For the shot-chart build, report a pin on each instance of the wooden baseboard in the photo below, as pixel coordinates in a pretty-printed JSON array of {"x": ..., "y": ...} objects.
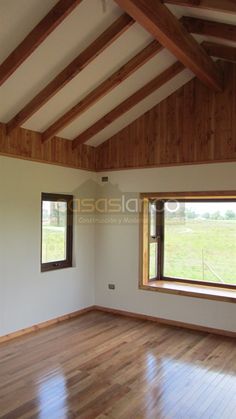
[
  {"x": 167, "y": 322},
  {"x": 78, "y": 313},
  {"x": 43, "y": 325}
]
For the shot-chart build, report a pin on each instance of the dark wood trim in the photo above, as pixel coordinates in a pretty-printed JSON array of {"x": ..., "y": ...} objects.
[
  {"x": 162, "y": 165},
  {"x": 210, "y": 28},
  {"x": 73, "y": 69},
  {"x": 66, "y": 263},
  {"x": 224, "y": 52},
  {"x": 109, "y": 84},
  {"x": 157, "y": 19},
  {"x": 50, "y": 22},
  {"x": 228, "y": 6},
  {"x": 43, "y": 325},
  {"x": 172, "y": 323},
  {"x": 128, "y": 103}
]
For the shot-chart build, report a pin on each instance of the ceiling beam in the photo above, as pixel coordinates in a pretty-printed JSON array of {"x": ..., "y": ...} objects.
[
  {"x": 165, "y": 27},
  {"x": 113, "y": 81},
  {"x": 217, "y": 5},
  {"x": 210, "y": 28},
  {"x": 129, "y": 103},
  {"x": 224, "y": 52},
  {"x": 56, "y": 15},
  {"x": 78, "y": 64}
]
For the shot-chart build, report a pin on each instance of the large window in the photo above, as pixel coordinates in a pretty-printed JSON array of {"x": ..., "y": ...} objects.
[
  {"x": 189, "y": 239},
  {"x": 57, "y": 230}
]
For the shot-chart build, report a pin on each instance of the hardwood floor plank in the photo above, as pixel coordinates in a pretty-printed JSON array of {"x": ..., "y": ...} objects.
[{"x": 104, "y": 366}]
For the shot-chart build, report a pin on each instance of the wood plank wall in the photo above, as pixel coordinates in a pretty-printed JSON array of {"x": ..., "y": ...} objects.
[
  {"x": 193, "y": 125},
  {"x": 25, "y": 144}
]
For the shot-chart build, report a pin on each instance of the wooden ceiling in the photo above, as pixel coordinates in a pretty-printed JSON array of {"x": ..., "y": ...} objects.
[{"x": 85, "y": 69}]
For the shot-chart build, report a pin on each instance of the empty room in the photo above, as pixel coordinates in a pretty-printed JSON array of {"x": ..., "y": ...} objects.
[{"x": 117, "y": 209}]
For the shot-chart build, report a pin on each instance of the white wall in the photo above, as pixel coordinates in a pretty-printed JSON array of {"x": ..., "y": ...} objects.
[
  {"x": 28, "y": 296},
  {"x": 117, "y": 249}
]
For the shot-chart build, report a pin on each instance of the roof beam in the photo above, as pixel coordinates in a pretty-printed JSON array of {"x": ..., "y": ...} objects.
[
  {"x": 224, "y": 52},
  {"x": 129, "y": 103},
  {"x": 207, "y": 27},
  {"x": 56, "y": 15},
  {"x": 78, "y": 64},
  {"x": 165, "y": 27},
  {"x": 228, "y": 6},
  {"x": 113, "y": 81}
]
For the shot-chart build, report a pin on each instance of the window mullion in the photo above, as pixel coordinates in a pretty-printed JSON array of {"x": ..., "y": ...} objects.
[{"x": 160, "y": 237}]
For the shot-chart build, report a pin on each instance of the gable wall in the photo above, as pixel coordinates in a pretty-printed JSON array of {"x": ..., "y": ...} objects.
[{"x": 193, "y": 125}]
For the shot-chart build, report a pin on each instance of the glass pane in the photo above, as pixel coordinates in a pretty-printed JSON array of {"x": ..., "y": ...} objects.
[
  {"x": 200, "y": 242},
  {"x": 54, "y": 229},
  {"x": 152, "y": 218},
  {"x": 152, "y": 260}
]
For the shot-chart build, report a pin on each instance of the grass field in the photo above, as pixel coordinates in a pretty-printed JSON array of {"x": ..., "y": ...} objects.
[
  {"x": 53, "y": 244},
  {"x": 201, "y": 250}
]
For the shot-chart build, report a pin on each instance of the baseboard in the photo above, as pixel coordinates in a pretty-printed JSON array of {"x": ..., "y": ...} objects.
[
  {"x": 78, "y": 313},
  {"x": 45, "y": 324},
  {"x": 166, "y": 322}
]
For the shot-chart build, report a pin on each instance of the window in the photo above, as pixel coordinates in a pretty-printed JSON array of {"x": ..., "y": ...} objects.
[
  {"x": 189, "y": 239},
  {"x": 57, "y": 231}
]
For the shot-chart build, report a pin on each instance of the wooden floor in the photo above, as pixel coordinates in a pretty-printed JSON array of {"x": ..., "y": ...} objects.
[{"x": 105, "y": 366}]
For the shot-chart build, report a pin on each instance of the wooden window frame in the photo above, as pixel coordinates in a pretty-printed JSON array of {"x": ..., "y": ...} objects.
[
  {"x": 67, "y": 263},
  {"x": 162, "y": 198}
]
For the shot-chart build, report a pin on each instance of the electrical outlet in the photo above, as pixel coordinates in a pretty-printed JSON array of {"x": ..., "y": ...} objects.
[
  {"x": 105, "y": 179},
  {"x": 111, "y": 286}
]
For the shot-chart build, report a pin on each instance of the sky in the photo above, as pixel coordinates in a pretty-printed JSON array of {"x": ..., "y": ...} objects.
[{"x": 211, "y": 207}]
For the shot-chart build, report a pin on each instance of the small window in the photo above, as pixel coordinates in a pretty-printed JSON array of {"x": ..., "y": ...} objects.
[
  {"x": 191, "y": 240},
  {"x": 57, "y": 231}
]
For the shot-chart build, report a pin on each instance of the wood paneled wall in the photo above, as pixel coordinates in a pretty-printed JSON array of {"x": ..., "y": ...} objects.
[
  {"x": 25, "y": 144},
  {"x": 193, "y": 125}
]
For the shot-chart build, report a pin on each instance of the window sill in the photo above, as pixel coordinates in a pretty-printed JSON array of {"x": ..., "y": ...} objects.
[
  {"x": 192, "y": 290},
  {"x": 52, "y": 268}
]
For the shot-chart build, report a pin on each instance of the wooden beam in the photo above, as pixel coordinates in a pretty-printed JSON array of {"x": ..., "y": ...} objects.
[
  {"x": 56, "y": 15},
  {"x": 129, "y": 103},
  {"x": 207, "y": 27},
  {"x": 165, "y": 27},
  {"x": 113, "y": 81},
  {"x": 228, "y": 6},
  {"x": 224, "y": 52},
  {"x": 77, "y": 65}
]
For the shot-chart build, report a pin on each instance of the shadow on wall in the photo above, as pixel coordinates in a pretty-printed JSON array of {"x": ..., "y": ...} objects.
[{"x": 104, "y": 203}]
